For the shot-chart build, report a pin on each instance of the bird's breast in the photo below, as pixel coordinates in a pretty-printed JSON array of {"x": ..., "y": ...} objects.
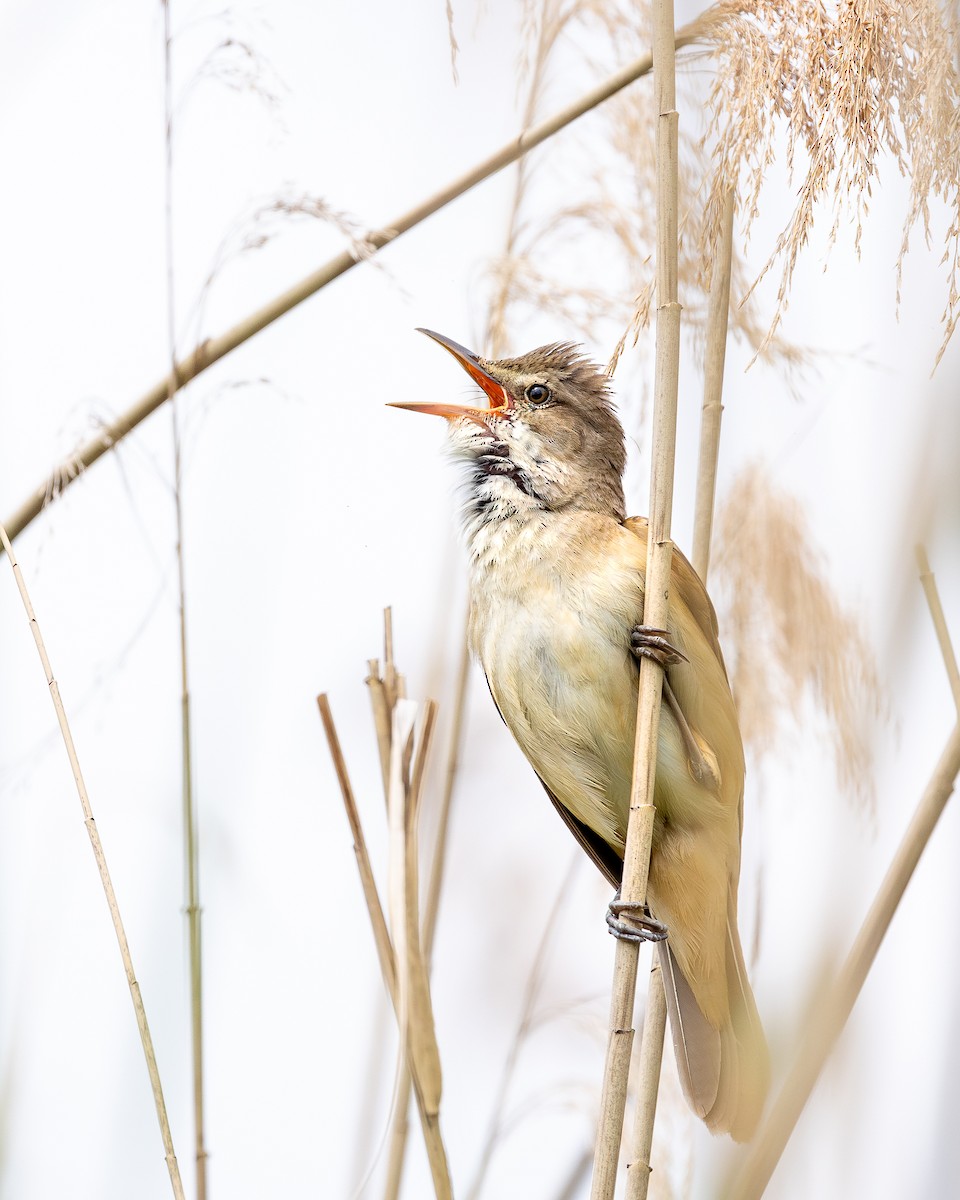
[{"x": 553, "y": 604}]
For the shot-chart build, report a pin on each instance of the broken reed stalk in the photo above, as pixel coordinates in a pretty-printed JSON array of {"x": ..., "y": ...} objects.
[
  {"x": 211, "y": 350},
  {"x": 436, "y": 1153},
  {"x": 821, "y": 1033},
  {"x": 400, "y": 1126},
  {"x": 655, "y": 1016},
  {"x": 385, "y": 690},
  {"x": 659, "y": 555},
  {"x": 91, "y": 827},
  {"x": 191, "y": 847}
]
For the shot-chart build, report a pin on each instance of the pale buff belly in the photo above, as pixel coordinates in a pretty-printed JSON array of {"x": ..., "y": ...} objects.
[
  {"x": 562, "y": 674},
  {"x": 565, "y": 682}
]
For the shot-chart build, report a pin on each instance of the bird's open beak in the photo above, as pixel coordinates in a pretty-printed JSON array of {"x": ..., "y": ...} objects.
[{"x": 500, "y": 399}]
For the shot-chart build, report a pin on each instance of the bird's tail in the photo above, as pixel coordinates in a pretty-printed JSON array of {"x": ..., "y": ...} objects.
[{"x": 724, "y": 1071}]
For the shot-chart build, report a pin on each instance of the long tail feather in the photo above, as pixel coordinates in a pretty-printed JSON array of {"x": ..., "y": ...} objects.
[
  {"x": 724, "y": 1072},
  {"x": 696, "y": 1044}
]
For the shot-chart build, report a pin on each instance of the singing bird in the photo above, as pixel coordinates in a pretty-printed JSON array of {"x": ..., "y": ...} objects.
[{"x": 556, "y": 596}]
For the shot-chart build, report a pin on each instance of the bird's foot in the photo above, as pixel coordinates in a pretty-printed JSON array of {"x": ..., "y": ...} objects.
[
  {"x": 633, "y": 923},
  {"x": 647, "y": 642}
]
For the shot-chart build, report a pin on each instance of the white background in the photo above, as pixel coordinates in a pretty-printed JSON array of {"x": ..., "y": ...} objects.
[{"x": 309, "y": 506}]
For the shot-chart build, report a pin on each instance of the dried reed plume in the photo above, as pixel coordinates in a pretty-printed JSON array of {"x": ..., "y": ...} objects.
[
  {"x": 786, "y": 634},
  {"x": 845, "y": 85}
]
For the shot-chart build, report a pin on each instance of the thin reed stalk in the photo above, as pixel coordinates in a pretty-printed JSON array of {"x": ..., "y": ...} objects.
[
  {"x": 415, "y": 1010},
  {"x": 98, "y": 854},
  {"x": 718, "y": 316},
  {"x": 401, "y": 1125},
  {"x": 659, "y": 556},
  {"x": 824, "y": 1028},
  {"x": 211, "y": 350},
  {"x": 929, "y": 585},
  {"x": 378, "y": 923},
  {"x": 640, "y": 1168},
  {"x": 389, "y": 967},
  {"x": 655, "y": 1016},
  {"x": 191, "y": 846}
]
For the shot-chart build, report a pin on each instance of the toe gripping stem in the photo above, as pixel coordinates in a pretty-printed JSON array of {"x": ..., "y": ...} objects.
[{"x": 633, "y": 922}]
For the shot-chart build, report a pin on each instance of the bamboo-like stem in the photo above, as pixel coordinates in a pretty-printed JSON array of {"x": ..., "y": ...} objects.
[
  {"x": 929, "y": 585},
  {"x": 98, "y": 854},
  {"x": 436, "y": 1153},
  {"x": 648, "y": 1085},
  {"x": 191, "y": 847},
  {"x": 655, "y": 1017},
  {"x": 211, "y": 350},
  {"x": 717, "y": 320},
  {"x": 656, "y": 592},
  {"x": 822, "y": 1031}
]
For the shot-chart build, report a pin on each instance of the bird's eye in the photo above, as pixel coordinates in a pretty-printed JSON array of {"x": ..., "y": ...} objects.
[{"x": 537, "y": 393}]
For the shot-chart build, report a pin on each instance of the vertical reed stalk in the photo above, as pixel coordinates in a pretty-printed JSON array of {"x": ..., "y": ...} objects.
[
  {"x": 929, "y": 585},
  {"x": 659, "y": 554},
  {"x": 191, "y": 847},
  {"x": 717, "y": 320},
  {"x": 655, "y": 1018},
  {"x": 98, "y": 854}
]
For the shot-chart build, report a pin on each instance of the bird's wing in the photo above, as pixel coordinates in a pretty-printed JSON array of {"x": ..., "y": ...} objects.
[
  {"x": 689, "y": 587},
  {"x": 604, "y": 856}
]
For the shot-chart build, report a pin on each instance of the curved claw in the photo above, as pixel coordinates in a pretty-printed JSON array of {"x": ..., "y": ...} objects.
[{"x": 647, "y": 642}]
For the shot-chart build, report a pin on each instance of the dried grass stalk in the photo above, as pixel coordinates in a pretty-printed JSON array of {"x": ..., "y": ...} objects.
[
  {"x": 400, "y": 1126},
  {"x": 846, "y": 84},
  {"x": 416, "y": 1011},
  {"x": 436, "y": 1153},
  {"x": 384, "y": 693},
  {"x": 656, "y": 591},
  {"x": 91, "y": 827},
  {"x": 191, "y": 841},
  {"x": 716, "y": 353},
  {"x": 381, "y": 935},
  {"x": 929, "y": 584},
  {"x": 648, "y": 1085}
]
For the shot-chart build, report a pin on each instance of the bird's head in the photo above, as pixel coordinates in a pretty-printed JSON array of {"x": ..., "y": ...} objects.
[{"x": 547, "y": 436}]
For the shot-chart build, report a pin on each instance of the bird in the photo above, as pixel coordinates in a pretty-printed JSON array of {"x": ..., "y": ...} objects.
[{"x": 556, "y": 600}]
